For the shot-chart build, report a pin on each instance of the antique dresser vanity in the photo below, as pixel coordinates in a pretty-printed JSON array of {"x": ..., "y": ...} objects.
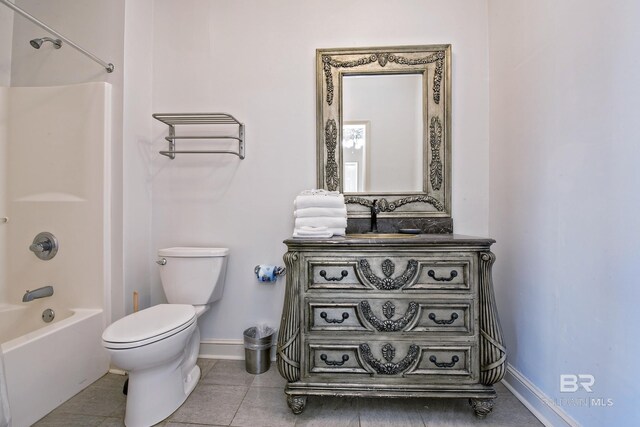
[
  {"x": 379, "y": 313},
  {"x": 390, "y": 317}
]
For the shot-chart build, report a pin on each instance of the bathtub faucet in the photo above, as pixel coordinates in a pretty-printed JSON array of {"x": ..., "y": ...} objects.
[{"x": 43, "y": 292}]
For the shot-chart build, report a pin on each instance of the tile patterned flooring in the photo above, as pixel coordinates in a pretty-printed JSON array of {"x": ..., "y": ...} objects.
[{"x": 229, "y": 396}]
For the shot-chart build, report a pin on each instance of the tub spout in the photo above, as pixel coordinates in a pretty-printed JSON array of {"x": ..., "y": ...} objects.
[{"x": 43, "y": 292}]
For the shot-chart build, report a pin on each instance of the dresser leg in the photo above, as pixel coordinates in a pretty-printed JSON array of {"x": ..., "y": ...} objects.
[
  {"x": 297, "y": 403},
  {"x": 482, "y": 407}
]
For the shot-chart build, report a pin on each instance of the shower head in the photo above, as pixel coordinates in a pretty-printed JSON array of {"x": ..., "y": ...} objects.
[{"x": 36, "y": 43}]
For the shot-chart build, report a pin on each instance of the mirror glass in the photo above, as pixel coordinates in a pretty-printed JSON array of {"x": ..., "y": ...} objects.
[{"x": 382, "y": 133}]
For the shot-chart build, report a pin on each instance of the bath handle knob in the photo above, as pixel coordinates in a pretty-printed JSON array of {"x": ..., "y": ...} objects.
[
  {"x": 161, "y": 261},
  {"x": 44, "y": 246},
  {"x": 40, "y": 247}
]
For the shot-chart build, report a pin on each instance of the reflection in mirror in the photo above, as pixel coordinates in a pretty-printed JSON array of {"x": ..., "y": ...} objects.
[
  {"x": 355, "y": 136},
  {"x": 382, "y": 135}
]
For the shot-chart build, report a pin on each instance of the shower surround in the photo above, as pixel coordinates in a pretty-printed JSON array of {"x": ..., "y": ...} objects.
[{"x": 57, "y": 175}]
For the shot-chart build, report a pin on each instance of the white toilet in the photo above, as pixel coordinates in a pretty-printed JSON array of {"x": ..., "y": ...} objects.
[{"x": 159, "y": 346}]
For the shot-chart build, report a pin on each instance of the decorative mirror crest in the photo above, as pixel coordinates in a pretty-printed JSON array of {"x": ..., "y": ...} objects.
[
  {"x": 331, "y": 138},
  {"x": 382, "y": 59},
  {"x": 427, "y": 153},
  {"x": 435, "y": 139}
]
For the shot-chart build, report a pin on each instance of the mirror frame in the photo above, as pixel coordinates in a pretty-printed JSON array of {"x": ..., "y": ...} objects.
[{"x": 433, "y": 62}]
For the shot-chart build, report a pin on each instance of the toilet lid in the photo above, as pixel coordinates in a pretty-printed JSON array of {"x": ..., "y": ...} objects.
[{"x": 158, "y": 321}]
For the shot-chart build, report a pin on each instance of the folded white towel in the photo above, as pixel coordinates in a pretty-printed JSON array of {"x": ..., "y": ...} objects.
[
  {"x": 319, "y": 192},
  {"x": 308, "y": 229},
  {"x": 338, "y": 231},
  {"x": 319, "y": 201},
  {"x": 321, "y": 221},
  {"x": 312, "y": 232},
  {"x": 320, "y": 212},
  {"x": 317, "y": 232}
]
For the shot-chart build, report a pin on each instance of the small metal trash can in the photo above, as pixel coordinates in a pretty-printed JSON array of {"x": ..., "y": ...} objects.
[{"x": 257, "y": 349}]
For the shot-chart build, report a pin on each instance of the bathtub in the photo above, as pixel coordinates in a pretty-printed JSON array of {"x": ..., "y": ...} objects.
[{"x": 47, "y": 363}]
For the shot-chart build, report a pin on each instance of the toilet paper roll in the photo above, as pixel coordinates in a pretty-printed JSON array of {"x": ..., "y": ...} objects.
[{"x": 268, "y": 273}]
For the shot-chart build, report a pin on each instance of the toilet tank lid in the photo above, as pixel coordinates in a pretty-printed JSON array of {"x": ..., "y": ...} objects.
[{"x": 193, "y": 252}]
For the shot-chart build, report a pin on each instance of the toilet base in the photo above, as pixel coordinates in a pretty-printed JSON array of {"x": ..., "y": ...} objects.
[{"x": 156, "y": 393}]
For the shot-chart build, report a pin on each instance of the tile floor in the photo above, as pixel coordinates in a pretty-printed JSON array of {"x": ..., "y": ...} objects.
[{"x": 229, "y": 396}]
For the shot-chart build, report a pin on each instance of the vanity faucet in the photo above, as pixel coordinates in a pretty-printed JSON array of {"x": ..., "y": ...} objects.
[
  {"x": 45, "y": 291},
  {"x": 374, "y": 216}
]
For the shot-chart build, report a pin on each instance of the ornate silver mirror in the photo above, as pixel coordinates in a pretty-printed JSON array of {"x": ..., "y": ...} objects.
[{"x": 383, "y": 133}]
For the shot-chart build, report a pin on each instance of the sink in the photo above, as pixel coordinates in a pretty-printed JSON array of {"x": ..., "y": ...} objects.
[{"x": 380, "y": 235}]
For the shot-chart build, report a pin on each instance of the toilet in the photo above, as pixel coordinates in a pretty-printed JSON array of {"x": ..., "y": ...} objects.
[{"x": 159, "y": 346}]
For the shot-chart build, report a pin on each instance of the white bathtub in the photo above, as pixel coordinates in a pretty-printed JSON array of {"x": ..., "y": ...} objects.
[{"x": 47, "y": 363}]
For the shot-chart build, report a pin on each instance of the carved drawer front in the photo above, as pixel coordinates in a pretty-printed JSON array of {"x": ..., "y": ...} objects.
[
  {"x": 328, "y": 274},
  {"x": 444, "y": 275},
  {"x": 394, "y": 359},
  {"x": 392, "y": 274},
  {"x": 417, "y": 315},
  {"x": 328, "y": 358},
  {"x": 450, "y": 318},
  {"x": 330, "y": 316},
  {"x": 382, "y": 315},
  {"x": 446, "y": 361}
]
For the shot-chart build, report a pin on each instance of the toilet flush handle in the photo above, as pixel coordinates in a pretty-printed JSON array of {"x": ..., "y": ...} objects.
[{"x": 161, "y": 261}]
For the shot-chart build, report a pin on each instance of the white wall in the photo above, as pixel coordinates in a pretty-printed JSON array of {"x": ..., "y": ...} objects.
[
  {"x": 137, "y": 156},
  {"x": 256, "y": 60},
  {"x": 565, "y": 96}
]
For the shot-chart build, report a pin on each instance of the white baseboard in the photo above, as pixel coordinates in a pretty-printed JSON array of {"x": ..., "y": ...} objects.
[
  {"x": 222, "y": 349},
  {"x": 226, "y": 349},
  {"x": 535, "y": 400}
]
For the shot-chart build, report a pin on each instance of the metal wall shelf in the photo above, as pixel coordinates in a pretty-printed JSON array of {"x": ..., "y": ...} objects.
[{"x": 176, "y": 119}]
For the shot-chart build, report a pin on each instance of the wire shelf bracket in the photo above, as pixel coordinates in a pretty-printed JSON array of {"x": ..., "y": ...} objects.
[{"x": 176, "y": 119}]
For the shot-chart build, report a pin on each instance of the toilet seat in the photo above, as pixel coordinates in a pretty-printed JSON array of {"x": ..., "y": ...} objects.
[{"x": 148, "y": 326}]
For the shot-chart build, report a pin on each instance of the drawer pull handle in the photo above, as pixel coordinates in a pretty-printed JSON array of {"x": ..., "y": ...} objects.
[
  {"x": 454, "y": 316},
  {"x": 388, "y": 309},
  {"x": 388, "y": 352},
  {"x": 343, "y": 274},
  {"x": 388, "y": 267},
  {"x": 434, "y": 360},
  {"x": 452, "y": 275},
  {"x": 323, "y": 357},
  {"x": 345, "y": 316}
]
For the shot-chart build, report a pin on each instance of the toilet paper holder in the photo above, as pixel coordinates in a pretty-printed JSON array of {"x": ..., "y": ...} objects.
[{"x": 269, "y": 273}]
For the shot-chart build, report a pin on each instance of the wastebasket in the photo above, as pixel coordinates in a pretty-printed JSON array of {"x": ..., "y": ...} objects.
[{"x": 257, "y": 349}]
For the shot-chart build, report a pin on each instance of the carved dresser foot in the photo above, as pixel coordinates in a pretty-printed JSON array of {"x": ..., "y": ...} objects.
[
  {"x": 482, "y": 407},
  {"x": 297, "y": 403}
]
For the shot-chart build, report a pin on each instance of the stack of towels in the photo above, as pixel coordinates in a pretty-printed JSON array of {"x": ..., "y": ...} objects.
[{"x": 319, "y": 214}]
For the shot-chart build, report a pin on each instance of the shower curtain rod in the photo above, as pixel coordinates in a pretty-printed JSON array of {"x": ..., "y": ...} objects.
[{"x": 108, "y": 66}]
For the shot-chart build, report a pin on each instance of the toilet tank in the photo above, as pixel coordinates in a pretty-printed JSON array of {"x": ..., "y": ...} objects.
[{"x": 193, "y": 275}]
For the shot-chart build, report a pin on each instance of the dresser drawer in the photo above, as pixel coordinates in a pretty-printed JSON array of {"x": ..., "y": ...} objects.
[
  {"x": 444, "y": 275},
  {"x": 390, "y": 316},
  {"x": 394, "y": 359},
  {"x": 383, "y": 273},
  {"x": 333, "y": 274}
]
